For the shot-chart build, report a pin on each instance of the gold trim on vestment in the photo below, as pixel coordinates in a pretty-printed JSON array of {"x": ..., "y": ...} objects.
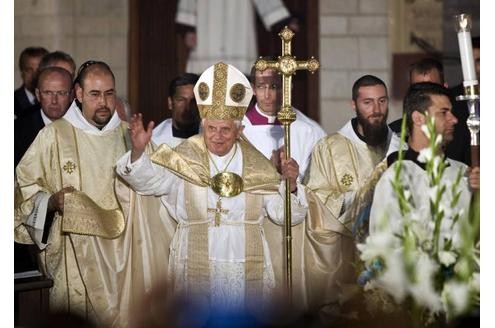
[
  {"x": 198, "y": 260},
  {"x": 83, "y": 216},
  {"x": 189, "y": 160},
  {"x": 254, "y": 252}
]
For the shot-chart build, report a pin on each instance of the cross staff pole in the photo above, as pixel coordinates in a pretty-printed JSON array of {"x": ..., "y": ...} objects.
[{"x": 287, "y": 65}]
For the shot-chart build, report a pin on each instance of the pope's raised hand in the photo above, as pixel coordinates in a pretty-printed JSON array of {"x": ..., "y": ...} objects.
[{"x": 140, "y": 136}]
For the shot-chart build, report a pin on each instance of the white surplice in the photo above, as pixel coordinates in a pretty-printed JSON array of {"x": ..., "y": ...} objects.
[{"x": 304, "y": 134}]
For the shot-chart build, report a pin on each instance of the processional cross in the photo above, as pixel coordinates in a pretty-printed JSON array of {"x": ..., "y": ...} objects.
[
  {"x": 218, "y": 212},
  {"x": 287, "y": 65}
]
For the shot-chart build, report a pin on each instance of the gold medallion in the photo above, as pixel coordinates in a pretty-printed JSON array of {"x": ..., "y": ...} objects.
[
  {"x": 237, "y": 92},
  {"x": 227, "y": 184},
  {"x": 203, "y": 91}
]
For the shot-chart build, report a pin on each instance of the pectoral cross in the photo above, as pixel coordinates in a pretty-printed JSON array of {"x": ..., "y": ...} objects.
[
  {"x": 218, "y": 212},
  {"x": 287, "y": 65}
]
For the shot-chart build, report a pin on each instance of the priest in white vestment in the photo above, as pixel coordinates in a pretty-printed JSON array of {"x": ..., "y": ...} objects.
[
  {"x": 432, "y": 99},
  {"x": 66, "y": 204},
  {"x": 185, "y": 120},
  {"x": 221, "y": 191},
  {"x": 225, "y": 30},
  {"x": 264, "y": 130}
]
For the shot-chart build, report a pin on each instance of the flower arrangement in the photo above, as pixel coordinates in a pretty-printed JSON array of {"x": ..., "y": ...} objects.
[{"x": 428, "y": 256}]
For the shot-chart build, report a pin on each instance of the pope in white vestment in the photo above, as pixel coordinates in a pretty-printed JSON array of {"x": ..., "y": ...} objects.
[{"x": 219, "y": 252}]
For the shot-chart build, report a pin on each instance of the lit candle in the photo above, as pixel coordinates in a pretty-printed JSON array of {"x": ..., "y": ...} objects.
[{"x": 463, "y": 27}]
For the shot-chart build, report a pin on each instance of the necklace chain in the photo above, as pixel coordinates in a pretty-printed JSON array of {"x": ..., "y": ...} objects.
[{"x": 226, "y": 166}]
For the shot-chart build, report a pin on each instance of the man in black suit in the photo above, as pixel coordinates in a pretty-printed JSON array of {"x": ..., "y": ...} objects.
[
  {"x": 28, "y": 64},
  {"x": 426, "y": 70},
  {"x": 54, "y": 93}
]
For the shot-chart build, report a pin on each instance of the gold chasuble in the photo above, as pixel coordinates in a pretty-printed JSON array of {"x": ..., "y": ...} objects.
[{"x": 100, "y": 262}]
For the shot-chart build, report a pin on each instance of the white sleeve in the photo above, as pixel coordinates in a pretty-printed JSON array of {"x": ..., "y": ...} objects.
[
  {"x": 271, "y": 11},
  {"x": 187, "y": 12},
  {"x": 275, "y": 204},
  {"x": 145, "y": 177},
  {"x": 36, "y": 220}
]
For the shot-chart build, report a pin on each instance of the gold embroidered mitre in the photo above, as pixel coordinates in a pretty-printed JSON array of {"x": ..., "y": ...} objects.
[{"x": 222, "y": 93}]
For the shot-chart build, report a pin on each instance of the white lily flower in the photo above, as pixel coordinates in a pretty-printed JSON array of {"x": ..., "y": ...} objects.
[
  {"x": 394, "y": 279},
  {"x": 456, "y": 295},
  {"x": 423, "y": 290},
  {"x": 447, "y": 258}
]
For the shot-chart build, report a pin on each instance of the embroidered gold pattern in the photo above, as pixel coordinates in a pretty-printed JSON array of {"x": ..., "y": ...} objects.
[
  {"x": 237, "y": 92},
  {"x": 69, "y": 167},
  {"x": 346, "y": 180},
  {"x": 218, "y": 110},
  {"x": 203, "y": 90}
]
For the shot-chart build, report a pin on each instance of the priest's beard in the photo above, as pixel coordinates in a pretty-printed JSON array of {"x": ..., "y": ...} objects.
[
  {"x": 102, "y": 120},
  {"x": 374, "y": 133}
]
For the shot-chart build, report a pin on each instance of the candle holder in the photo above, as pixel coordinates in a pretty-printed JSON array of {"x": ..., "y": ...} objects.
[{"x": 471, "y": 85}]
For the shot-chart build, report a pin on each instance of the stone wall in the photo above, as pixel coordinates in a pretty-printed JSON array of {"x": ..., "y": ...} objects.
[
  {"x": 354, "y": 40},
  {"x": 88, "y": 29}
]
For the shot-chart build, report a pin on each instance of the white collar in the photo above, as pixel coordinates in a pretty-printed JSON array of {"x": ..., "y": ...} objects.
[
  {"x": 221, "y": 161},
  {"x": 46, "y": 119},
  {"x": 76, "y": 118},
  {"x": 270, "y": 118},
  {"x": 31, "y": 97}
]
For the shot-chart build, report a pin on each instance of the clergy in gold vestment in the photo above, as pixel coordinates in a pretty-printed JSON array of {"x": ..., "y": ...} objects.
[
  {"x": 346, "y": 165},
  {"x": 66, "y": 204},
  {"x": 220, "y": 190}
]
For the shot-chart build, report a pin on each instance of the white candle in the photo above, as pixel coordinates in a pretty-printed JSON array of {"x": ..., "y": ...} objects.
[{"x": 466, "y": 50}]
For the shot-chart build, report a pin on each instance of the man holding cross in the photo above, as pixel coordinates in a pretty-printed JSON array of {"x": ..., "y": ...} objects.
[{"x": 221, "y": 192}]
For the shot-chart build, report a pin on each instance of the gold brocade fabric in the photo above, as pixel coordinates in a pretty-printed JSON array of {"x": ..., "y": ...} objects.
[
  {"x": 99, "y": 278},
  {"x": 189, "y": 160},
  {"x": 339, "y": 166}
]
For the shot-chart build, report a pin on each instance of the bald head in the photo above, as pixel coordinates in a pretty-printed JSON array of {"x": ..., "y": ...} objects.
[
  {"x": 96, "y": 68},
  {"x": 54, "y": 91},
  {"x": 95, "y": 91}
]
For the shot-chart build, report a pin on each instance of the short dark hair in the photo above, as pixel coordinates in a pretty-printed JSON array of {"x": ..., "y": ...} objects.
[
  {"x": 426, "y": 65},
  {"x": 252, "y": 75},
  {"x": 51, "y": 69},
  {"x": 90, "y": 66},
  {"x": 184, "y": 79},
  {"x": 53, "y": 57},
  {"x": 418, "y": 98},
  {"x": 29, "y": 53},
  {"x": 365, "y": 81}
]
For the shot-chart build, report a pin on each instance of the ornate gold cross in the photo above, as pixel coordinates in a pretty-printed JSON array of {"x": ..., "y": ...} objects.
[
  {"x": 287, "y": 65},
  {"x": 218, "y": 212}
]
